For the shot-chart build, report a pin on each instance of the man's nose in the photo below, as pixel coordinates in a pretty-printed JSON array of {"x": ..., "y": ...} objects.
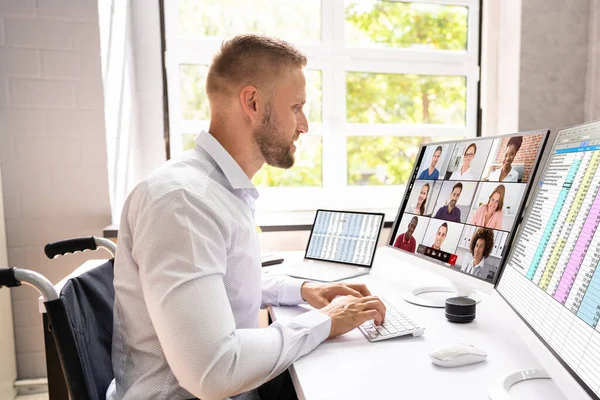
[{"x": 302, "y": 126}]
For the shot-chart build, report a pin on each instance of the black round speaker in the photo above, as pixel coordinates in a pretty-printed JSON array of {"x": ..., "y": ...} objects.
[{"x": 460, "y": 309}]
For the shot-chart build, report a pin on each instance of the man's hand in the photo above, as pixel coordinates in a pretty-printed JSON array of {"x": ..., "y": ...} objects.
[
  {"x": 319, "y": 295},
  {"x": 349, "y": 312}
]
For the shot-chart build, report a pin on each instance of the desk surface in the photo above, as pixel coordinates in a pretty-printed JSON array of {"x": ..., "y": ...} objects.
[{"x": 350, "y": 367}]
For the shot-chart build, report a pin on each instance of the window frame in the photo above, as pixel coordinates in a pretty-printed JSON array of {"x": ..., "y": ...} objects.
[{"x": 334, "y": 60}]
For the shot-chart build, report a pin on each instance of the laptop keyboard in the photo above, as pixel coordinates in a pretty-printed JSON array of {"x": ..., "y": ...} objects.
[{"x": 397, "y": 323}]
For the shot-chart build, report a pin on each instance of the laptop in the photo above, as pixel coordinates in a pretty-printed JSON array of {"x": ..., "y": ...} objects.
[{"x": 342, "y": 245}]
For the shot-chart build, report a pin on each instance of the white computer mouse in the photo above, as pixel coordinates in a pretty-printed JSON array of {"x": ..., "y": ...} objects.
[{"x": 457, "y": 354}]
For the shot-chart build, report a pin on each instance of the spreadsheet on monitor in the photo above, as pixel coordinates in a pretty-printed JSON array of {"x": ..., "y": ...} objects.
[{"x": 552, "y": 276}]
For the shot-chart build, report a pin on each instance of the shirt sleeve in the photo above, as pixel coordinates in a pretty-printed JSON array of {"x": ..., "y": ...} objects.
[
  {"x": 181, "y": 270},
  {"x": 281, "y": 290}
]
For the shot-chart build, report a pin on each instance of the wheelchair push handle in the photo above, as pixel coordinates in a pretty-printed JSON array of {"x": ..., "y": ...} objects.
[
  {"x": 73, "y": 245},
  {"x": 63, "y": 247},
  {"x": 8, "y": 279},
  {"x": 12, "y": 277}
]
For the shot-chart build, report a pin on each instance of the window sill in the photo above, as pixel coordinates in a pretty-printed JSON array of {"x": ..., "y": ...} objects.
[
  {"x": 278, "y": 221},
  {"x": 274, "y": 221}
]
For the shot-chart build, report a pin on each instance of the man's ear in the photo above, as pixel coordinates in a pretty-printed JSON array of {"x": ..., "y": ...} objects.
[{"x": 250, "y": 101}]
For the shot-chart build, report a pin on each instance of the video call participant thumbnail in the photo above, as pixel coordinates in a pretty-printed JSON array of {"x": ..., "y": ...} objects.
[
  {"x": 490, "y": 215},
  {"x": 481, "y": 247},
  {"x": 440, "y": 241},
  {"x": 507, "y": 173},
  {"x": 419, "y": 207},
  {"x": 406, "y": 241},
  {"x": 432, "y": 172},
  {"x": 450, "y": 212},
  {"x": 464, "y": 172}
]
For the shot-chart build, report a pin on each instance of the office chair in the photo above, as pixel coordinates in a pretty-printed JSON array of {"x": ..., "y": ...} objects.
[{"x": 81, "y": 317}]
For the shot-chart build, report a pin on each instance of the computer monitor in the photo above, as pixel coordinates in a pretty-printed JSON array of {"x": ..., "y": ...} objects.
[
  {"x": 552, "y": 275},
  {"x": 461, "y": 206}
]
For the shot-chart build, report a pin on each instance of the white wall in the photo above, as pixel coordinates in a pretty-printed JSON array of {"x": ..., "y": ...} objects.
[
  {"x": 52, "y": 146},
  {"x": 555, "y": 45},
  {"x": 8, "y": 367}
]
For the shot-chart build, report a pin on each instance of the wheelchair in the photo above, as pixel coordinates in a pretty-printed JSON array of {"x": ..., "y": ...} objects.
[{"x": 79, "y": 317}]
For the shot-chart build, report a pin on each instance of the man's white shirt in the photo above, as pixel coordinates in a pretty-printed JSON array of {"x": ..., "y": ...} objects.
[{"x": 188, "y": 287}]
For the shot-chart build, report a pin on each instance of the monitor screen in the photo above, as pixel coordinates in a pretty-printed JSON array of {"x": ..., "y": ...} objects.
[
  {"x": 344, "y": 236},
  {"x": 551, "y": 278},
  {"x": 464, "y": 199}
]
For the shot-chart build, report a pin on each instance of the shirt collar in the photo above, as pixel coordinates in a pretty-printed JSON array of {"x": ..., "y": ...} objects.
[{"x": 231, "y": 169}]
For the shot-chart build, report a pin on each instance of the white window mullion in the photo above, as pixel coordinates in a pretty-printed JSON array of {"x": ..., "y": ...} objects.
[
  {"x": 334, "y": 145},
  {"x": 337, "y": 164},
  {"x": 327, "y": 17},
  {"x": 473, "y": 29}
]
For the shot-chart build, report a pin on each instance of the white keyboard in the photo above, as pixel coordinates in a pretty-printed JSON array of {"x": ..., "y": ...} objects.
[{"x": 397, "y": 323}]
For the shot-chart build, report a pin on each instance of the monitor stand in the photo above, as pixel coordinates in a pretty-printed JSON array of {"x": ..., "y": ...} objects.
[
  {"x": 456, "y": 290},
  {"x": 499, "y": 389}
]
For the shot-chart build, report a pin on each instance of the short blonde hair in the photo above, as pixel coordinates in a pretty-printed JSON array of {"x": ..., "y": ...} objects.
[{"x": 250, "y": 59}]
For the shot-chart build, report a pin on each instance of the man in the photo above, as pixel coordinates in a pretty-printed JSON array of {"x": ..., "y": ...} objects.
[
  {"x": 188, "y": 283},
  {"x": 450, "y": 212},
  {"x": 440, "y": 236},
  {"x": 432, "y": 172},
  {"x": 406, "y": 241}
]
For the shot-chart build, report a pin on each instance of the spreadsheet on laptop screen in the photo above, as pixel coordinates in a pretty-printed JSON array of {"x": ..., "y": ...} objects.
[
  {"x": 551, "y": 277},
  {"x": 346, "y": 237}
]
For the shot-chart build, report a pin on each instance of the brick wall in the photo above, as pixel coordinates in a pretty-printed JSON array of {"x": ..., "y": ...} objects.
[
  {"x": 52, "y": 146},
  {"x": 526, "y": 154}
]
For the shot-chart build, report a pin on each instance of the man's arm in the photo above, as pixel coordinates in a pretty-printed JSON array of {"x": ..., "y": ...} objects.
[{"x": 180, "y": 248}]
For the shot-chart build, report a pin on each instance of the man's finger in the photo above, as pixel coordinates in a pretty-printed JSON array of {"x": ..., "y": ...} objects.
[
  {"x": 341, "y": 290},
  {"x": 371, "y": 315},
  {"x": 375, "y": 304},
  {"x": 359, "y": 287}
]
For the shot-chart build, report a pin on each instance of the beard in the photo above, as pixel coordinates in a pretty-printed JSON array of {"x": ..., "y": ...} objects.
[{"x": 273, "y": 145}]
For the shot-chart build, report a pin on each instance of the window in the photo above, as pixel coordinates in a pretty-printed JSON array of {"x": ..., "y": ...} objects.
[{"x": 382, "y": 77}]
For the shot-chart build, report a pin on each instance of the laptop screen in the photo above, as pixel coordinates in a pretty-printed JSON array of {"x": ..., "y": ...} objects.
[{"x": 344, "y": 236}]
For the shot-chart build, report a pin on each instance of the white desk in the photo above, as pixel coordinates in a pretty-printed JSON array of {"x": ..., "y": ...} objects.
[{"x": 350, "y": 367}]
